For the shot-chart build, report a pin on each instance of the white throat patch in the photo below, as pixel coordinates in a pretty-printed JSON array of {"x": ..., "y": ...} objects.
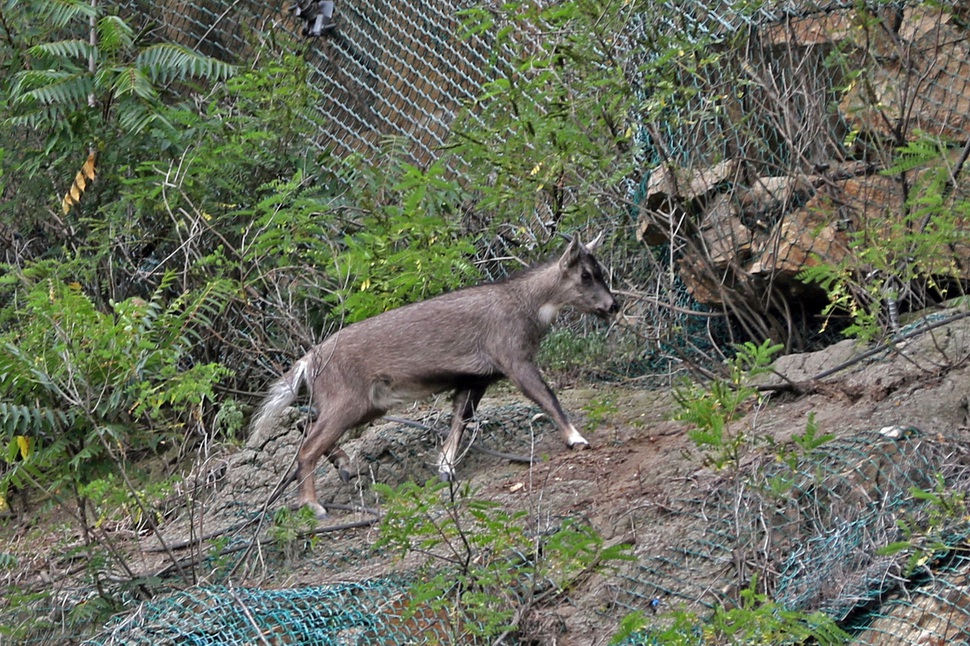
[{"x": 548, "y": 313}]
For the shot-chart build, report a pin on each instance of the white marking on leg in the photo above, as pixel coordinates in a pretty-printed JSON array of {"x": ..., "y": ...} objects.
[
  {"x": 446, "y": 466},
  {"x": 319, "y": 511},
  {"x": 574, "y": 438}
]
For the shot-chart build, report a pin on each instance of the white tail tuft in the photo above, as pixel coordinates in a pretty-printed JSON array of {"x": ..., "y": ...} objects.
[{"x": 281, "y": 394}]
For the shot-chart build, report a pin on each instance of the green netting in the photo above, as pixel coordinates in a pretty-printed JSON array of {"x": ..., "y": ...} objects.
[
  {"x": 339, "y": 614},
  {"x": 811, "y": 534},
  {"x": 936, "y": 612}
]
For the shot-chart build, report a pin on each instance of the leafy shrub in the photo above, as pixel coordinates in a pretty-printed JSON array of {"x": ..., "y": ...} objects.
[
  {"x": 908, "y": 259},
  {"x": 569, "y": 354},
  {"x": 713, "y": 408},
  {"x": 482, "y": 564},
  {"x": 86, "y": 391},
  {"x": 407, "y": 246},
  {"x": 755, "y": 621}
]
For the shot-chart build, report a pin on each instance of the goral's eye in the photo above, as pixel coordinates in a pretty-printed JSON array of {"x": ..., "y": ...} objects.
[{"x": 586, "y": 276}]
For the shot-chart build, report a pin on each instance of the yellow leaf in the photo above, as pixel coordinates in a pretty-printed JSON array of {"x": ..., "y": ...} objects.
[
  {"x": 24, "y": 443},
  {"x": 3, "y": 504},
  {"x": 87, "y": 174}
]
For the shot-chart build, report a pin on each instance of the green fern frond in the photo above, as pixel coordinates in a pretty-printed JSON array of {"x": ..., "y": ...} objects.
[
  {"x": 128, "y": 80},
  {"x": 114, "y": 34},
  {"x": 87, "y": 454},
  {"x": 63, "y": 88},
  {"x": 38, "y": 118},
  {"x": 16, "y": 419},
  {"x": 12, "y": 369},
  {"x": 20, "y": 475},
  {"x": 58, "y": 13},
  {"x": 32, "y": 79},
  {"x": 73, "y": 48},
  {"x": 48, "y": 97},
  {"x": 136, "y": 117},
  {"x": 168, "y": 280},
  {"x": 189, "y": 313},
  {"x": 167, "y": 62},
  {"x": 824, "y": 276},
  {"x": 916, "y": 154}
]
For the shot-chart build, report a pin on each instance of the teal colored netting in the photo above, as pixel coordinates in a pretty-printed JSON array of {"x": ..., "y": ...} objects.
[
  {"x": 340, "y": 614},
  {"x": 936, "y": 612}
]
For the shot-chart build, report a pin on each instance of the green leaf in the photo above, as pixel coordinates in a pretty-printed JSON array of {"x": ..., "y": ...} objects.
[
  {"x": 127, "y": 80},
  {"x": 58, "y": 13},
  {"x": 53, "y": 87},
  {"x": 895, "y": 548},
  {"x": 630, "y": 624},
  {"x": 72, "y": 48},
  {"x": 810, "y": 439},
  {"x": 114, "y": 35},
  {"x": 167, "y": 62}
]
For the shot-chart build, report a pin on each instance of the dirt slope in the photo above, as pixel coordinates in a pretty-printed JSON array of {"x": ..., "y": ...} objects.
[{"x": 634, "y": 485}]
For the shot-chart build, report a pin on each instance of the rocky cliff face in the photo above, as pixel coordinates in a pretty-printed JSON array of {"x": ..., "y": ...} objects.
[{"x": 880, "y": 81}]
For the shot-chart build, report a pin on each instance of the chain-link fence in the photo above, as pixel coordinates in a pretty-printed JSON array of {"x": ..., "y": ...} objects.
[
  {"x": 388, "y": 69},
  {"x": 810, "y": 533},
  {"x": 760, "y": 152}
]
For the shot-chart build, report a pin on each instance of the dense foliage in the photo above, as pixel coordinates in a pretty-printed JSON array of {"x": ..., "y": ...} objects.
[{"x": 204, "y": 203}]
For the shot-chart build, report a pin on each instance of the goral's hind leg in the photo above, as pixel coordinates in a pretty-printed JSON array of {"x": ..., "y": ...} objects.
[
  {"x": 465, "y": 402},
  {"x": 333, "y": 422}
]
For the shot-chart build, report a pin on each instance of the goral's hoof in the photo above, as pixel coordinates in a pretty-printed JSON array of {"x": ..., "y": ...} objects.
[
  {"x": 579, "y": 446},
  {"x": 446, "y": 476},
  {"x": 345, "y": 475},
  {"x": 319, "y": 511}
]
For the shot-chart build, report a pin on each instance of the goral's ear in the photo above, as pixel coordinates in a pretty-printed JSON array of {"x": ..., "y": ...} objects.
[{"x": 572, "y": 254}]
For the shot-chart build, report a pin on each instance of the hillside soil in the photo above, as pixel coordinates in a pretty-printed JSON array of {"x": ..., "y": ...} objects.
[{"x": 640, "y": 465}]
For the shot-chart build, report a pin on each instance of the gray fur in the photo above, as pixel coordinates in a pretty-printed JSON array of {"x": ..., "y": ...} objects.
[{"x": 462, "y": 342}]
